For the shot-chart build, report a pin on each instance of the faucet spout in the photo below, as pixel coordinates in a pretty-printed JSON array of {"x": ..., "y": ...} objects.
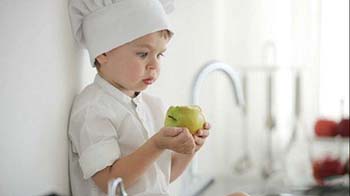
[{"x": 229, "y": 71}]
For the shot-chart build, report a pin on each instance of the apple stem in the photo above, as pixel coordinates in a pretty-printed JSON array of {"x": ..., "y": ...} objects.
[{"x": 171, "y": 117}]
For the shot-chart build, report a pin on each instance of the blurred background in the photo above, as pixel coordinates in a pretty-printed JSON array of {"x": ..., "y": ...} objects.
[{"x": 293, "y": 59}]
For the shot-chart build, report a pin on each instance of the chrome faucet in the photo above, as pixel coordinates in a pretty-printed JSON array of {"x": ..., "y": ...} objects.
[
  {"x": 236, "y": 84},
  {"x": 193, "y": 183},
  {"x": 219, "y": 66},
  {"x": 115, "y": 184}
]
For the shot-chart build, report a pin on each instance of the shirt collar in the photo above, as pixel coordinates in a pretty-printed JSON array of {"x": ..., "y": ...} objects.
[
  {"x": 138, "y": 99},
  {"x": 116, "y": 93}
]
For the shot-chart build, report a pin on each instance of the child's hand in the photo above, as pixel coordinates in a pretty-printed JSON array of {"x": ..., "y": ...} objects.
[
  {"x": 201, "y": 135},
  {"x": 176, "y": 139}
]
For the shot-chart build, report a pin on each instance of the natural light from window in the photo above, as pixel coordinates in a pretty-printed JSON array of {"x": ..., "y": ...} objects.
[{"x": 334, "y": 58}]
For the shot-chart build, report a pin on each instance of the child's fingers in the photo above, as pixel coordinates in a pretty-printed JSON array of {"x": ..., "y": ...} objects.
[
  {"x": 203, "y": 133},
  {"x": 199, "y": 141},
  {"x": 173, "y": 131},
  {"x": 184, "y": 136},
  {"x": 206, "y": 126},
  {"x": 186, "y": 142}
]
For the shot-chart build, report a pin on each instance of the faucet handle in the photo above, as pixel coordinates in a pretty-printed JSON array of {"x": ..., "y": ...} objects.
[{"x": 116, "y": 187}]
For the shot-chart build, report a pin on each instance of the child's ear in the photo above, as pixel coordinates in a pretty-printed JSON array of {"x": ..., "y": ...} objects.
[{"x": 102, "y": 59}]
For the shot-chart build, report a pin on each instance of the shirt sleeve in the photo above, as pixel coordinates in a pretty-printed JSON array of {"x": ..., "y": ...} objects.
[{"x": 95, "y": 139}]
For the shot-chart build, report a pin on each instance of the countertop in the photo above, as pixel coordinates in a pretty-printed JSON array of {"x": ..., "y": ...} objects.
[{"x": 223, "y": 186}]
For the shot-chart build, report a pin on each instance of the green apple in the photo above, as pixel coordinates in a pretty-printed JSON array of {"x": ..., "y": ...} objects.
[{"x": 190, "y": 117}]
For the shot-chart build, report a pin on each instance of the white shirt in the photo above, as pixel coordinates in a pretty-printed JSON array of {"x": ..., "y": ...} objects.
[{"x": 105, "y": 124}]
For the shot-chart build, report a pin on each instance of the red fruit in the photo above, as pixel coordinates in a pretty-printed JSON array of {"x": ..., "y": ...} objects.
[
  {"x": 316, "y": 169},
  {"x": 331, "y": 167},
  {"x": 326, "y": 167},
  {"x": 343, "y": 128},
  {"x": 326, "y": 128}
]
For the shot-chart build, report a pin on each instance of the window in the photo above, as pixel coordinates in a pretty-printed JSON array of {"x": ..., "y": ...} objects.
[{"x": 334, "y": 58}]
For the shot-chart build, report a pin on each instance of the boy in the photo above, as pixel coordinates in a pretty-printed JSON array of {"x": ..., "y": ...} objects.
[{"x": 115, "y": 129}]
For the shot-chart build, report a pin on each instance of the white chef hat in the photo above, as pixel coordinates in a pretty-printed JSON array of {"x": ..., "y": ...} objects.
[{"x": 101, "y": 25}]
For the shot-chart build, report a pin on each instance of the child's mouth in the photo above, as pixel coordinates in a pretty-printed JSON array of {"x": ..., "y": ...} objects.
[{"x": 148, "y": 81}]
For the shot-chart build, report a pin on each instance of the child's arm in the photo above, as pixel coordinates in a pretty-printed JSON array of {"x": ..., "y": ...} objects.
[
  {"x": 179, "y": 162},
  {"x": 132, "y": 166}
]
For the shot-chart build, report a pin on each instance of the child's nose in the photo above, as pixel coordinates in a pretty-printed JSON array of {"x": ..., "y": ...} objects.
[{"x": 153, "y": 64}]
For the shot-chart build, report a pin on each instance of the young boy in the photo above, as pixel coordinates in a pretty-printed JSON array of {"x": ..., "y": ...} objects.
[{"x": 115, "y": 129}]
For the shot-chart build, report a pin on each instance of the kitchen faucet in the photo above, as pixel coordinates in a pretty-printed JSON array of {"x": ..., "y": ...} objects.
[
  {"x": 115, "y": 184},
  {"x": 236, "y": 84},
  {"x": 239, "y": 99},
  {"x": 219, "y": 66}
]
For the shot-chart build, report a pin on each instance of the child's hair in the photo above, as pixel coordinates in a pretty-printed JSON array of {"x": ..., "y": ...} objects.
[{"x": 164, "y": 33}]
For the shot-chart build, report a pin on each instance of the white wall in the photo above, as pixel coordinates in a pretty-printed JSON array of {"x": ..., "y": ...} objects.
[{"x": 41, "y": 70}]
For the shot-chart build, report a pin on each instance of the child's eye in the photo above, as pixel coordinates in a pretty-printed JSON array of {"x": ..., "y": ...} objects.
[
  {"x": 142, "y": 54},
  {"x": 160, "y": 55}
]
